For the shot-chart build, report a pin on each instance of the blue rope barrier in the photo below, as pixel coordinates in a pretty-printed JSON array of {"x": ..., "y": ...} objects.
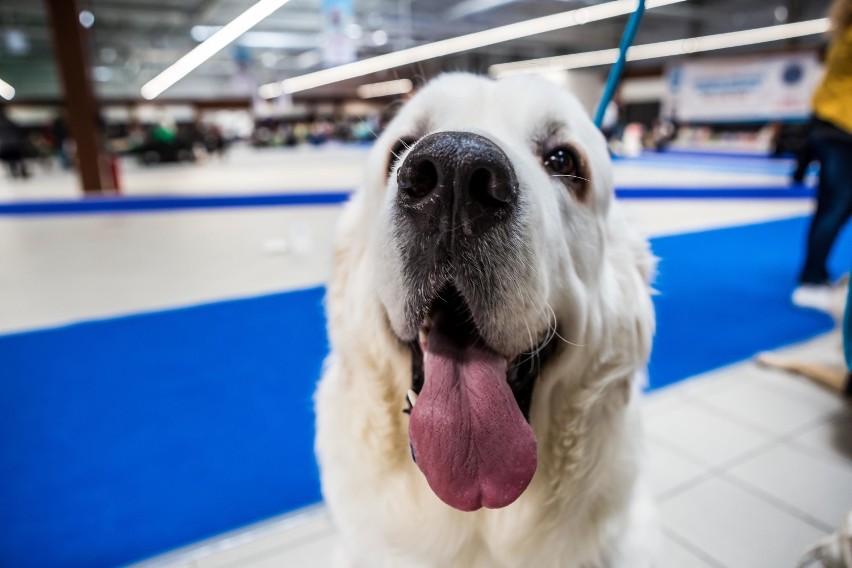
[{"x": 618, "y": 67}]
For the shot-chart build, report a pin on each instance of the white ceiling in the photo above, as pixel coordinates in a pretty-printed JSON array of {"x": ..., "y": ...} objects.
[{"x": 133, "y": 40}]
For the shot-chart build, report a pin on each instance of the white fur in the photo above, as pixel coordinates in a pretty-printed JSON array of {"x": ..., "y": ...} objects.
[{"x": 586, "y": 506}]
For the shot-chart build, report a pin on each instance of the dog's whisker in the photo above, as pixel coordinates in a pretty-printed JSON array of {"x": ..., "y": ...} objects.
[
  {"x": 556, "y": 332},
  {"x": 570, "y": 176}
]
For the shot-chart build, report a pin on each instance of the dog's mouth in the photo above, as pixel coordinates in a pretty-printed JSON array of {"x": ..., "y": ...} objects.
[{"x": 469, "y": 427}]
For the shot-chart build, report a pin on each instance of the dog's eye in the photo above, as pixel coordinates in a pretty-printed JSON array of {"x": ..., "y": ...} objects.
[
  {"x": 565, "y": 163},
  {"x": 400, "y": 146},
  {"x": 562, "y": 162}
]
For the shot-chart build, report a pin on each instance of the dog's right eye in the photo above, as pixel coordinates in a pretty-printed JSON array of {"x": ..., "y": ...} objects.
[
  {"x": 562, "y": 162},
  {"x": 565, "y": 163},
  {"x": 400, "y": 146}
]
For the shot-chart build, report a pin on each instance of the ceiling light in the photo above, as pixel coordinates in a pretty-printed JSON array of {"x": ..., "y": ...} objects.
[
  {"x": 662, "y": 49},
  {"x": 200, "y": 33},
  {"x": 108, "y": 55},
  {"x": 17, "y": 42},
  {"x": 87, "y": 19},
  {"x": 354, "y": 31},
  {"x": 380, "y": 37},
  {"x": 459, "y": 44},
  {"x": 212, "y": 45},
  {"x": 385, "y": 89},
  {"x": 7, "y": 91},
  {"x": 102, "y": 74},
  {"x": 374, "y": 20}
]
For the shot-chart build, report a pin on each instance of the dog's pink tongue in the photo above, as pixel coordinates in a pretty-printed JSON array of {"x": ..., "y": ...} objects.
[{"x": 467, "y": 433}]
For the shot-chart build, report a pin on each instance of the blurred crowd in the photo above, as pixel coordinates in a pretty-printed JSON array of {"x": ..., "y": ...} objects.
[{"x": 168, "y": 141}]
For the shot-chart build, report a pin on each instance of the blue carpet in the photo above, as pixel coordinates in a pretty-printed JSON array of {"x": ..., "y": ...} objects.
[
  {"x": 137, "y": 204},
  {"x": 123, "y": 438},
  {"x": 725, "y": 295}
]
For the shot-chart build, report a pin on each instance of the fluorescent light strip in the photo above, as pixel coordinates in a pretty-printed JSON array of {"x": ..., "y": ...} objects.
[
  {"x": 663, "y": 48},
  {"x": 7, "y": 91},
  {"x": 385, "y": 89},
  {"x": 212, "y": 45},
  {"x": 456, "y": 45}
]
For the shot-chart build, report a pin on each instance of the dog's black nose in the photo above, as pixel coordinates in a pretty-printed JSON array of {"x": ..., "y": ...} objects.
[{"x": 457, "y": 183}]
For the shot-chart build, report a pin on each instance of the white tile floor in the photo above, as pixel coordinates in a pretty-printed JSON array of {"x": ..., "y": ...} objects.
[{"x": 749, "y": 466}]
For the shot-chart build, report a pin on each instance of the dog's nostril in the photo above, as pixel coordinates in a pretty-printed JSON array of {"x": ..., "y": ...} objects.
[
  {"x": 479, "y": 185},
  {"x": 422, "y": 178},
  {"x": 488, "y": 189}
]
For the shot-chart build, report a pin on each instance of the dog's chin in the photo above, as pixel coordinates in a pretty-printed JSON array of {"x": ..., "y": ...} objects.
[{"x": 469, "y": 410}]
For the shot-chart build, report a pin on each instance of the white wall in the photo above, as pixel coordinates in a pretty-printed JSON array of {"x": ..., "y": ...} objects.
[
  {"x": 586, "y": 85},
  {"x": 643, "y": 89}
]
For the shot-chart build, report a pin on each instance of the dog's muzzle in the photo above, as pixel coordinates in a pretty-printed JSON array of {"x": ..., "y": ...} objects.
[{"x": 456, "y": 185}]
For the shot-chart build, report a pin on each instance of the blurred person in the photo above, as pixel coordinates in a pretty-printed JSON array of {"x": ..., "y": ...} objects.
[
  {"x": 12, "y": 144},
  {"x": 60, "y": 142},
  {"x": 214, "y": 141},
  {"x": 663, "y": 133},
  {"x": 831, "y": 139},
  {"x": 805, "y": 155}
]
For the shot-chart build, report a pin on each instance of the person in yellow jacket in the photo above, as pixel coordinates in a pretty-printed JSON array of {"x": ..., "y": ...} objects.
[{"x": 831, "y": 136}]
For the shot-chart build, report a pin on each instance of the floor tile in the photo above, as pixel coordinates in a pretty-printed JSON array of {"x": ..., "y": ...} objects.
[
  {"x": 765, "y": 408},
  {"x": 314, "y": 554},
  {"x": 257, "y": 541},
  {"x": 702, "y": 434},
  {"x": 668, "y": 469},
  {"x": 710, "y": 383},
  {"x": 281, "y": 538},
  {"x": 818, "y": 487},
  {"x": 114, "y": 265},
  {"x": 659, "y": 402},
  {"x": 674, "y": 555},
  {"x": 737, "y": 528},
  {"x": 832, "y": 437}
]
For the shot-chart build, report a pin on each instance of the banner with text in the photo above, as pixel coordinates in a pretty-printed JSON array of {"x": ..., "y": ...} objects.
[{"x": 769, "y": 87}]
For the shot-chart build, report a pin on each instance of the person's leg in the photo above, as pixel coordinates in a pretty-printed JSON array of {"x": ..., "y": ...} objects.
[
  {"x": 834, "y": 206},
  {"x": 804, "y": 157}
]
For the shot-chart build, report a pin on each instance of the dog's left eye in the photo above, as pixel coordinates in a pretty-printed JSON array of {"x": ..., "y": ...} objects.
[{"x": 562, "y": 162}]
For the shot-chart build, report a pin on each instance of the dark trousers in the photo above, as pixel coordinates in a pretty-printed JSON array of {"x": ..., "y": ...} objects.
[{"x": 834, "y": 204}]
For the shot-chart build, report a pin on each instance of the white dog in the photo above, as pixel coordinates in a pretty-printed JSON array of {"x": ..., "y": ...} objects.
[{"x": 490, "y": 316}]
